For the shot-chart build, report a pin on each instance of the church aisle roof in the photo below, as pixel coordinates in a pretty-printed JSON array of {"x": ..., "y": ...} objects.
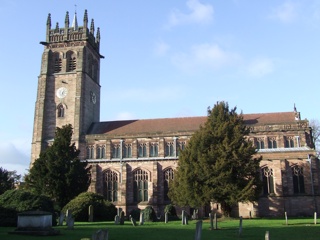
[{"x": 183, "y": 124}]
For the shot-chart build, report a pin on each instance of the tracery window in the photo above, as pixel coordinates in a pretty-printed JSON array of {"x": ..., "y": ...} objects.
[
  {"x": 101, "y": 152},
  {"x": 111, "y": 185},
  {"x": 90, "y": 152},
  {"x": 140, "y": 185},
  {"x": 116, "y": 150},
  {"x": 267, "y": 180},
  {"x": 142, "y": 150},
  {"x": 272, "y": 142},
  {"x": 169, "y": 149},
  {"x": 181, "y": 147},
  {"x": 167, "y": 178},
  {"x": 298, "y": 179},
  {"x": 260, "y": 143},
  {"x": 289, "y": 142},
  {"x": 127, "y": 150},
  {"x": 71, "y": 61},
  {"x": 153, "y": 149},
  {"x": 61, "y": 111}
]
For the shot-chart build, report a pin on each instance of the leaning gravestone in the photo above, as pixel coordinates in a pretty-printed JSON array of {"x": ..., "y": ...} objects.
[
  {"x": 166, "y": 217},
  {"x": 133, "y": 221},
  {"x": 90, "y": 213},
  {"x": 122, "y": 218},
  {"x": 101, "y": 235}
]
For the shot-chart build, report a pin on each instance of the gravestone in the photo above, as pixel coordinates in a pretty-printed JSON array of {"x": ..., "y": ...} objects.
[
  {"x": 133, "y": 221},
  {"x": 215, "y": 220},
  {"x": 166, "y": 217},
  {"x": 211, "y": 221},
  {"x": 116, "y": 220},
  {"x": 266, "y": 236},
  {"x": 183, "y": 217},
  {"x": 122, "y": 218},
  {"x": 197, "y": 235},
  {"x": 61, "y": 218},
  {"x": 101, "y": 235},
  {"x": 240, "y": 226},
  {"x": 141, "y": 218},
  {"x": 90, "y": 213},
  {"x": 69, "y": 219}
]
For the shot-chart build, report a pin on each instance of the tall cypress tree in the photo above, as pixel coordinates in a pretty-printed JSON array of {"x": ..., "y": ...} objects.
[
  {"x": 218, "y": 164},
  {"x": 58, "y": 173}
]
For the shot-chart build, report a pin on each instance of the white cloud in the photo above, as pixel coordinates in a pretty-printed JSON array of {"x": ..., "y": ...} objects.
[
  {"x": 161, "y": 48},
  {"x": 260, "y": 67},
  {"x": 199, "y": 13},
  {"x": 14, "y": 156},
  {"x": 124, "y": 116},
  {"x": 286, "y": 12},
  {"x": 204, "y": 55}
]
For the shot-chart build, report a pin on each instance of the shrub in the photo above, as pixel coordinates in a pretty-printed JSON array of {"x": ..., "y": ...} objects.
[
  {"x": 135, "y": 213},
  {"x": 171, "y": 210},
  {"x": 102, "y": 209},
  {"x": 149, "y": 214},
  {"x": 17, "y": 200},
  {"x": 22, "y": 200}
]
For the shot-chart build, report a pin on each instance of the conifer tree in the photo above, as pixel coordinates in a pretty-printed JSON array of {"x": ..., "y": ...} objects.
[
  {"x": 58, "y": 173},
  {"x": 218, "y": 164}
]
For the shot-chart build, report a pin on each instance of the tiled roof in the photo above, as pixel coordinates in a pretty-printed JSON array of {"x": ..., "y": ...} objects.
[{"x": 185, "y": 124}]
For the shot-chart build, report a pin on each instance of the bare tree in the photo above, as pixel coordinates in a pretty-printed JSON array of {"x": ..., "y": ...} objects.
[{"x": 315, "y": 125}]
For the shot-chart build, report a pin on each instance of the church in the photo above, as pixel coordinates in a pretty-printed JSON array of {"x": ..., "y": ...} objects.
[{"x": 133, "y": 161}]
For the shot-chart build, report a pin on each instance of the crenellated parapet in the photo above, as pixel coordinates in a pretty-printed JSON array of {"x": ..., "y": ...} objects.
[{"x": 72, "y": 33}]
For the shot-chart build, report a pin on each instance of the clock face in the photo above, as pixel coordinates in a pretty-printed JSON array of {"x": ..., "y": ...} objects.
[
  {"x": 93, "y": 97},
  {"x": 62, "y": 92}
]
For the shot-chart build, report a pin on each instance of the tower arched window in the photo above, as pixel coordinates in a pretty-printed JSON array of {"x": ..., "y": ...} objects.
[
  {"x": 71, "y": 61},
  {"x": 111, "y": 185},
  {"x": 167, "y": 178},
  {"x": 61, "y": 111},
  {"x": 57, "y": 63}
]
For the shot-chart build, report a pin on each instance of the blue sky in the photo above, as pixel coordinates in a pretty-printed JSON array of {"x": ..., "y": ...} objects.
[{"x": 167, "y": 59}]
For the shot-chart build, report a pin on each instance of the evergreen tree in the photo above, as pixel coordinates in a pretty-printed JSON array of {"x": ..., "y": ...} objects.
[
  {"x": 58, "y": 173},
  {"x": 8, "y": 179},
  {"x": 218, "y": 163}
]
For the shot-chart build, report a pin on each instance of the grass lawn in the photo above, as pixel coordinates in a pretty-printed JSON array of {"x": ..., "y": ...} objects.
[{"x": 297, "y": 229}]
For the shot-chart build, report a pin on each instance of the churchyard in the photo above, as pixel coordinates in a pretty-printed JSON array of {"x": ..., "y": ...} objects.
[{"x": 294, "y": 229}]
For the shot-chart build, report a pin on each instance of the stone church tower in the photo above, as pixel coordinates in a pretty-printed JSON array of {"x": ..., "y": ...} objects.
[{"x": 68, "y": 84}]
